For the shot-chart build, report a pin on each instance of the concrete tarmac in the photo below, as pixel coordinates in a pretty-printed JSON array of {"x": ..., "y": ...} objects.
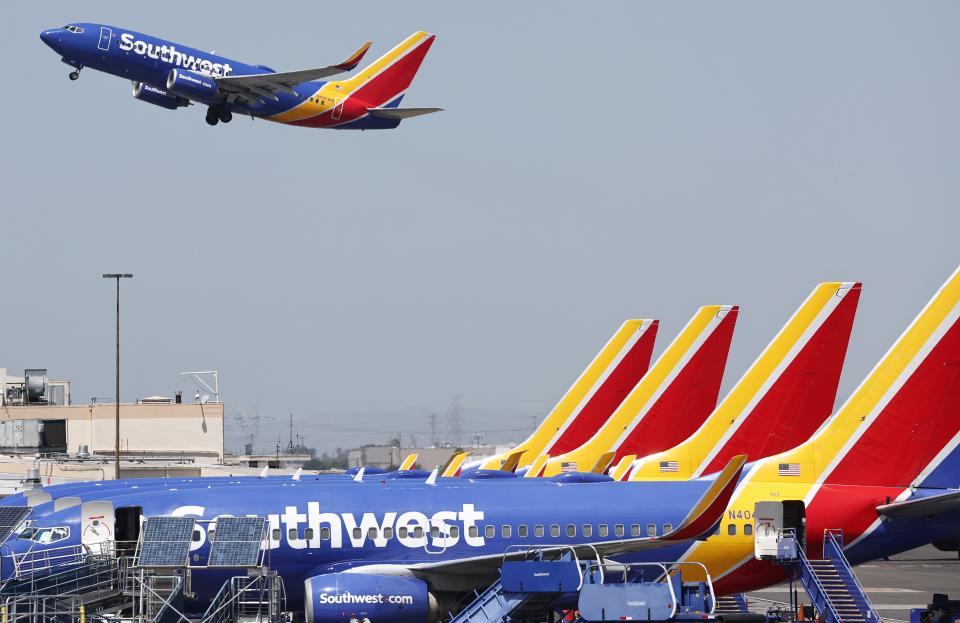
[{"x": 894, "y": 586}]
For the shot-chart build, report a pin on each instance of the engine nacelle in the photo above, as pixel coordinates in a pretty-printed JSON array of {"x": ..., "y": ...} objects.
[
  {"x": 157, "y": 97},
  {"x": 356, "y": 597},
  {"x": 191, "y": 85}
]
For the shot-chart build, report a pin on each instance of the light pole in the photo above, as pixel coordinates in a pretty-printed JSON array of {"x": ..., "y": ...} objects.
[{"x": 116, "y": 447}]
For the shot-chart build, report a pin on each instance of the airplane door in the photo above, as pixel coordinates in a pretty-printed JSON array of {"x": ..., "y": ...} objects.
[
  {"x": 97, "y": 525},
  {"x": 105, "y": 35},
  {"x": 337, "y": 109}
]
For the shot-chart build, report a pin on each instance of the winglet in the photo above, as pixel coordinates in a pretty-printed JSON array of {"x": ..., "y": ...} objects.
[
  {"x": 409, "y": 462},
  {"x": 359, "y": 476},
  {"x": 451, "y": 469},
  {"x": 296, "y": 474},
  {"x": 536, "y": 468},
  {"x": 263, "y": 474},
  {"x": 603, "y": 462},
  {"x": 354, "y": 59},
  {"x": 703, "y": 518},
  {"x": 622, "y": 468},
  {"x": 513, "y": 459},
  {"x": 432, "y": 478}
]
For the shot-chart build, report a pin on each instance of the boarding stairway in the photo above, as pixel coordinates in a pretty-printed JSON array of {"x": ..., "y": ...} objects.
[
  {"x": 47, "y": 588},
  {"x": 732, "y": 604},
  {"x": 829, "y": 581},
  {"x": 532, "y": 581}
]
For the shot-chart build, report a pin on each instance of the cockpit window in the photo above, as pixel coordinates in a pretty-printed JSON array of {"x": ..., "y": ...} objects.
[
  {"x": 75, "y": 29},
  {"x": 45, "y": 535}
]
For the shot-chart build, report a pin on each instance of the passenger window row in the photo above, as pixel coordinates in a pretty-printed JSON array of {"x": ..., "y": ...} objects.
[
  {"x": 747, "y": 529},
  {"x": 490, "y": 531}
]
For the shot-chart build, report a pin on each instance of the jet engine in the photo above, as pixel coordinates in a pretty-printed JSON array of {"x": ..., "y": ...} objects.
[
  {"x": 342, "y": 597},
  {"x": 191, "y": 85},
  {"x": 157, "y": 97}
]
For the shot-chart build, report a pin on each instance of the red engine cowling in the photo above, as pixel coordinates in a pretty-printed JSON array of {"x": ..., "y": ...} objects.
[{"x": 157, "y": 97}]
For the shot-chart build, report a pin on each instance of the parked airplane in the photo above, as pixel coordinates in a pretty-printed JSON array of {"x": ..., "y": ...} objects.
[
  {"x": 425, "y": 544},
  {"x": 685, "y": 380},
  {"x": 784, "y": 397},
  {"x": 884, "y": 470},
  {"x": 171, "y": 75},
  {"x": 599, "y": 389}
]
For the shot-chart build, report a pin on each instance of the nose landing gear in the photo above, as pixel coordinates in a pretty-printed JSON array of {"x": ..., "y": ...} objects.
[
  {"x": 73, "y": 75},
  {"x": 216, "y": 115}
]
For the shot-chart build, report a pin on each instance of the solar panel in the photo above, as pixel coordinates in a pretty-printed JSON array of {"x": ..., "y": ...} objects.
[
  {"x": 236, "y": 542},
  {"x": 166, "y": 541},
  {"x": 10, "y": 518}
]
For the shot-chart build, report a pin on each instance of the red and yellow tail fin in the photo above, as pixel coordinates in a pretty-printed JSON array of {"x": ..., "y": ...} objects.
[
  {"x": 596, "y": 393},
  {"x": 671, "y": 400},
  {"x": 451, "y": 468},
  {"x": 780, "y": 401},
  {"x": 388, "y": 77},
  {"x": 409, "y": 462},
  {"x": 536, "y": 468},
  {"x": 622, "y": 468},
  {"x": 901, "y": 423}
]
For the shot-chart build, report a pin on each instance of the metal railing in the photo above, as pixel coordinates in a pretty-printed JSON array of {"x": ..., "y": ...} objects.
[{"x": 259, "y": 598}]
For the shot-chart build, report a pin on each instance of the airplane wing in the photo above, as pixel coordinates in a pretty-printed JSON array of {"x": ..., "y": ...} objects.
[
  {"x": 700, "y": 523},
  {"x": 255, "y": 87},
  {"x": 401, "y": 113},
  {"x": 922, "y": 507}
]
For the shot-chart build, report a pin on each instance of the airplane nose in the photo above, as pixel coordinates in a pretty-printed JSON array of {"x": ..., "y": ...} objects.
[{"x": 49, "y": 37}]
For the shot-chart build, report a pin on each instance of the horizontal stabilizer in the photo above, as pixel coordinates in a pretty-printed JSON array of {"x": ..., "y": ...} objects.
[
  {"x": 603, "y": 463},
  {"x": 401, "y": 113},
  {"x": 922, "y": 507},
  {"x": 513, "y": 460}
]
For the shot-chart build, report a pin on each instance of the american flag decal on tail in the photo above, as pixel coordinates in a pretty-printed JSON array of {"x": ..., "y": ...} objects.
[
  {"x": 788, "y": 469},
  {"x": 669, "y": 466},
  {"x": 568, "y": 466}
]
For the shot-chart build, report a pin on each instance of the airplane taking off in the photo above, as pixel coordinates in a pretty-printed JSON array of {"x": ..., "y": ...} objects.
[{"x": 173, "y": 76}]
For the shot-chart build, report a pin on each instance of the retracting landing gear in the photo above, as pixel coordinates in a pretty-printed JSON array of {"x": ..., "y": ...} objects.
[{"x": 216, "y": 115}]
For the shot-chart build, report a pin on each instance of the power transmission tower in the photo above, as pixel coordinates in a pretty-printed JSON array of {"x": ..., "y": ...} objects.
[{"x": 455, "y": 419}]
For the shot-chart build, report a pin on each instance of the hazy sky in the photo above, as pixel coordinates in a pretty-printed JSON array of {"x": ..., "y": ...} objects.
[{"x": 596, "y": 161}]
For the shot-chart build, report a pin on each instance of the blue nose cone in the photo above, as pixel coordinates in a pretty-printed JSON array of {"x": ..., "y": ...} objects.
[{"x": 50, "y": 37}]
